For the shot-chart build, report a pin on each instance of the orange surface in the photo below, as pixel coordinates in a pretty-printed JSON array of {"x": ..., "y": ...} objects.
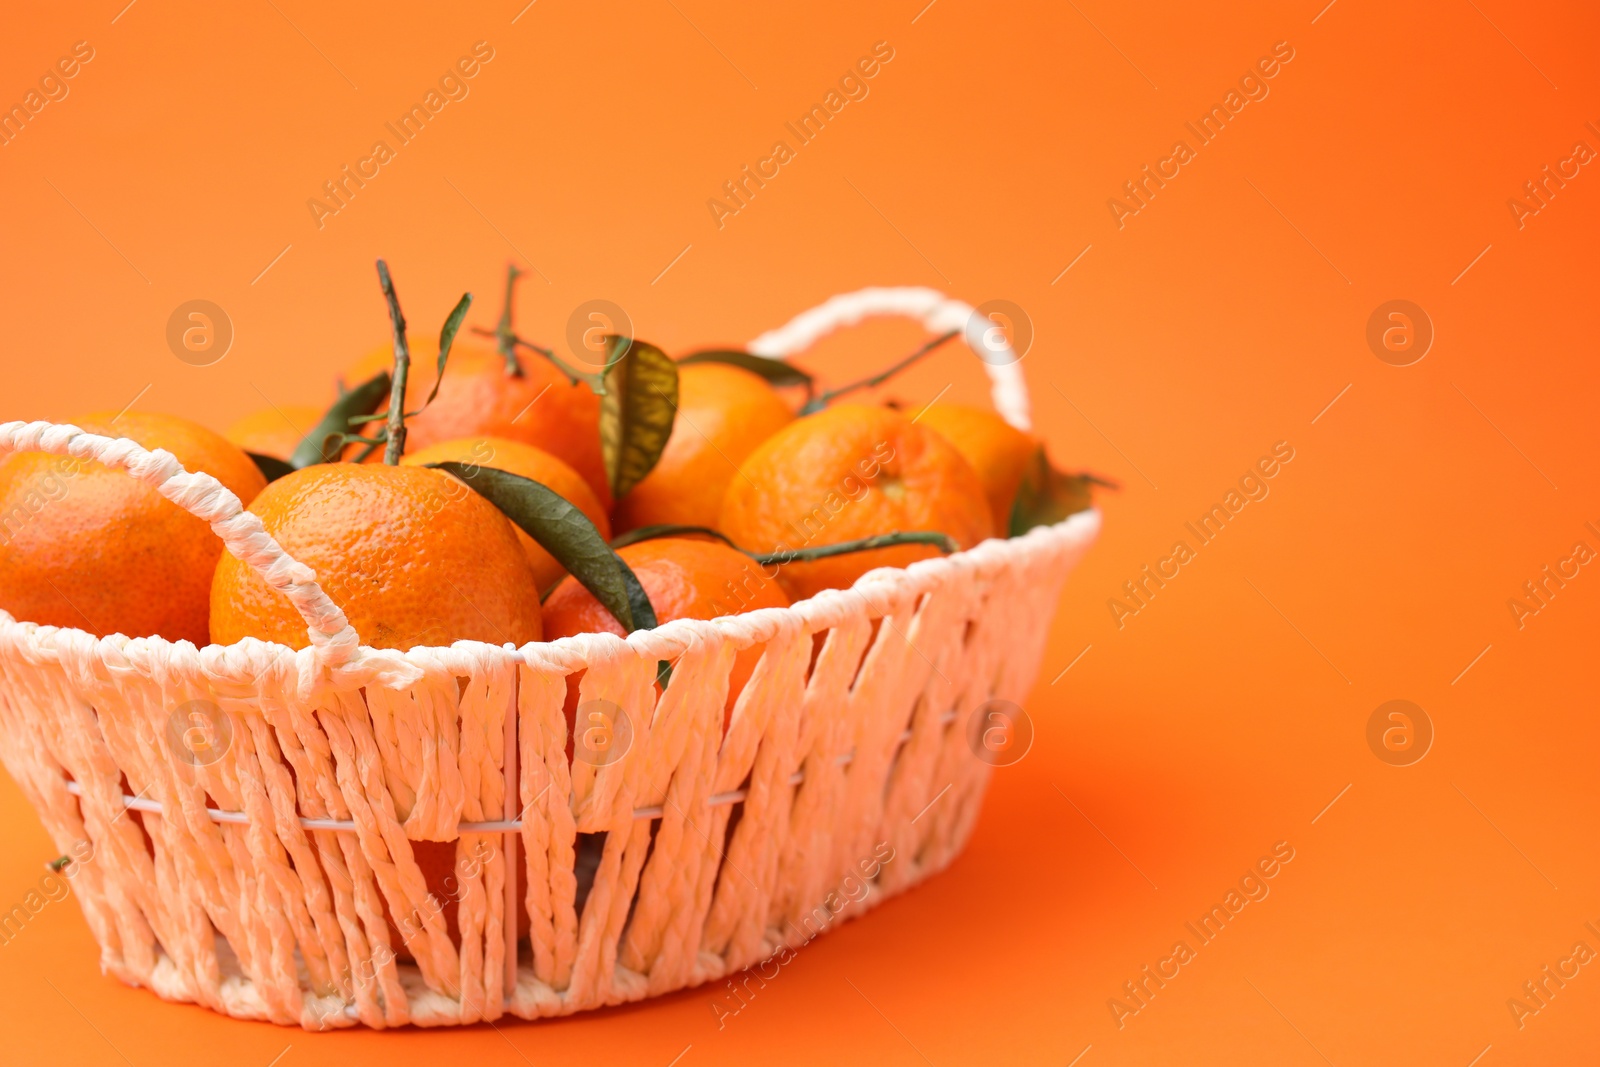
[{"x": 1222, "y": 318}]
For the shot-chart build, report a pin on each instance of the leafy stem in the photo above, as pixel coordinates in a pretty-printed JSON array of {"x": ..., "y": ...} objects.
[
  {"x": 817, "y": 403},
  {"x": 595, "y": 380},
  {"x": 396, "y": 430},
  {"x": 651, "y": 533},
  {"x": 327, "y": 439},
  {"x": 504, "y": 339},
  {"x": 368, "y": 449},
  {"x": 394, "y": 434},
  {"x": 944, "y": 542}
]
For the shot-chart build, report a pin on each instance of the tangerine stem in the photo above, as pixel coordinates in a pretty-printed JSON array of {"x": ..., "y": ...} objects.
[
  {"x": 504, "y": 340},
  {"x": 396, "y": 445},
  {"x": 596, "y": 382},
  {"x": 573, "y": 376},
  {"x": 943, "y": 541},
  {"x": 651, "y": 533},
  {"x": 367, "y": 450},
  {"x": 818, "y": 403},
  {"x": 896, "y": 537}
]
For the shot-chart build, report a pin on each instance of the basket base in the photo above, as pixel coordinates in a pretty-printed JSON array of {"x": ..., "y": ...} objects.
[{"x": 531, "y": 1000}]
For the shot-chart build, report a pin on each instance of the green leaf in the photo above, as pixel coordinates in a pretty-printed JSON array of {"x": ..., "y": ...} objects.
[
  {"x": 567, "y": 534},
  {"x": 637, "y": 408},
  {"x": 775, "y": 371},
  {"x": 644, "y": 613},
  {"x": 1047, "y": 496},
  {"x": 651, "y": 533},
  {"x": 271, "y": 467},
  {"x": 447, "y": 338},
  {"x": 351, "y": 404}
]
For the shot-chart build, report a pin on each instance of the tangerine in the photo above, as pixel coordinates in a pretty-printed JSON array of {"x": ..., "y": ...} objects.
[
  {"x": 530, "y": 462},
  {"x": 847, "y": 472},
  {"x": 411, "y": 555},
  {"x": 85, "y": 546},
  {"x": 683, "y": 579},
  {"x": 997, "y": 450},
  {"x": 724, "y": 412},
  {"x": 274, "y": 431}
]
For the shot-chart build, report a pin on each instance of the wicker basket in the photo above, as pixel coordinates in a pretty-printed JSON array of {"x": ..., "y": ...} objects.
[{"x": 259, "y": 878}]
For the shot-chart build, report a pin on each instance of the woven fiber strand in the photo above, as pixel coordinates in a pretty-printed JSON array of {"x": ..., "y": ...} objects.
[{"x": 263, "y": 884}]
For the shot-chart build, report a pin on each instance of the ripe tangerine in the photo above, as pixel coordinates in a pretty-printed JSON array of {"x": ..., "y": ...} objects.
[
  {"x": 724, "y": 412},
  {"x": 530, "y": 462},
  {"x": 683, "y": 579},
  {"x": 852, "y": 471},
  {"x": 998, "y": 451},
  {"x": 85, "y": 546},
  {"x": 411, "y": 555}
]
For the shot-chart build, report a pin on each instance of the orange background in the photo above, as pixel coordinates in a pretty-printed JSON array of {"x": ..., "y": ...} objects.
[{"x": 1221, "y": 319}]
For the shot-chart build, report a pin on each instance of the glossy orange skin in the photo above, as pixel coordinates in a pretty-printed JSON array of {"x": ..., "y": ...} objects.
[
  {"x": 478, "y": 398},
  {"x": 530, "y": 462},
  {"x": 274, "y": 431},
  {"x": 848, "y": 472},
  {"x": 411, "y": 555},
  {"x": 723, "y": 414},
  {"x": 87, "y": 547},
  {"x": 684, "y": 579},
  {"x": 998, "y": 451}
]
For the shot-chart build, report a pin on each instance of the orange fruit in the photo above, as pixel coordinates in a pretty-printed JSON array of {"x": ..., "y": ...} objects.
[
  {"x": 478, "y": 398},
  {"x": 87, "y": 547},
  {"x": 412, "y": 556},
  {"x": 274, "y": 431},
  {"x": 997, "y": 450},
  {"x": 724, "y": 412},
  {"x": 684, "y": 579},
  {"x": 848, "y": 472},
  {"x": 530, "y": 462}
]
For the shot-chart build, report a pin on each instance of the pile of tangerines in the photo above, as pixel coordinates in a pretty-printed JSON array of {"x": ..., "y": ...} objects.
[{"x": 495, "y": 491}]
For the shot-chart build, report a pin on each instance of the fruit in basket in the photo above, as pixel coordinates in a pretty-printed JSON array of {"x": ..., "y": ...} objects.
[
  {"x": 87, "y": 547},
  {"x": 724, "y": 412},
  {"x": 684, "y": 579},
  {"x": 274, "y": 431},
  {"x": 480, "y": 396},
  {"x": 529, "y": 462},
  {"x": 411, "y": 555},
  {"x": 847, "y": 472},
  {"x": 998, "y": 451}
]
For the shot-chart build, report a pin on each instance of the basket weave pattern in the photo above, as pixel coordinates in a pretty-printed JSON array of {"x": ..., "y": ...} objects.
[{"x": 258, "y": 884}]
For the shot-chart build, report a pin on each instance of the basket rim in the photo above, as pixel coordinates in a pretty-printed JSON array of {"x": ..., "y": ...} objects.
[{"x": 877, "y": 587}]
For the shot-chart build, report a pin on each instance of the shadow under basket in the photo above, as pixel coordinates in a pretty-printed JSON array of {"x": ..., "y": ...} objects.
[{"x": 296, "y": 864}]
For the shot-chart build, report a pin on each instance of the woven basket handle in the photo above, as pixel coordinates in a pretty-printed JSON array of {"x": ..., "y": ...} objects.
[
  {"x": 204, "y": 497},
  {"x": 937, "y": 313}
]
